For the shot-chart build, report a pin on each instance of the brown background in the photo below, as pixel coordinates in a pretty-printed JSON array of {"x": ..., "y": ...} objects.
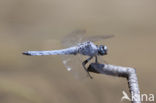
[{"x": 40, "y": 24}]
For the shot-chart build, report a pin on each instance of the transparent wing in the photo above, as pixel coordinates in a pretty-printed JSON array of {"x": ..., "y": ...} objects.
[
  {"x": 73, "y": 38},
  {"x": 78, "y": 36},
  {"x": 97, "y": 37},
  {"x": 73, "y": 63}
]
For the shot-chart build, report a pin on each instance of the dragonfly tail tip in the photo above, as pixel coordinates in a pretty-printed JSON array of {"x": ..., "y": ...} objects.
[{"x": 26, "y": 53}]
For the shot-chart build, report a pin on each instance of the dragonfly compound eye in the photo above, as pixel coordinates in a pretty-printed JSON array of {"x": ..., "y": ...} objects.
[{"x": 102, "y": 50}]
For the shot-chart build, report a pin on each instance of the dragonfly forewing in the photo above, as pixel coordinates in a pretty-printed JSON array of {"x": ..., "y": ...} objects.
[
  {"x": 97, "y": 37},
  {"x": 73, "y": 38}
]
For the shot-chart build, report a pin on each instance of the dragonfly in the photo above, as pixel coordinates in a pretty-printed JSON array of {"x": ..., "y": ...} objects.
[{"x": 76, "y": 44}]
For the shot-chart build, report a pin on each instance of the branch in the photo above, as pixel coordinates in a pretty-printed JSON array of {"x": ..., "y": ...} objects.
[{"x": 126, "y": 72}]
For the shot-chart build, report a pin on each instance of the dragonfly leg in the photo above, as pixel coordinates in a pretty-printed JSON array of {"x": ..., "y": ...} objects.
[
  {"x": 96, "y": 59},
  {"x": 84, "y": 63}
]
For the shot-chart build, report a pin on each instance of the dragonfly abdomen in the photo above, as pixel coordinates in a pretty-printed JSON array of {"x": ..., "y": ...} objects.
[{"x": 68, "y": 51}]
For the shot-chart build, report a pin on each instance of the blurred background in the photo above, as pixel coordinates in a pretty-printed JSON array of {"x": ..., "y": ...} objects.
[{"x": 41, "y": 24}]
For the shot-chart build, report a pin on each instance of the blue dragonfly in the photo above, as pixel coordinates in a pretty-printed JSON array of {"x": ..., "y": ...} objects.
[{"x": 76, "y": 45}]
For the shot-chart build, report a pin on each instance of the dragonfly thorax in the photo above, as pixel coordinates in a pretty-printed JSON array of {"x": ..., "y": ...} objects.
[{"x": 102, "y": 50}]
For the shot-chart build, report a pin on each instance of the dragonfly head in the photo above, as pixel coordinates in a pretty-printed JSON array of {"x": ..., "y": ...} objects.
[{"x": 102, "y": 50}]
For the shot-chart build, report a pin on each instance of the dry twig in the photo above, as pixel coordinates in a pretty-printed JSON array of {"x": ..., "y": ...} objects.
[{"x": 126, "y": 72}]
